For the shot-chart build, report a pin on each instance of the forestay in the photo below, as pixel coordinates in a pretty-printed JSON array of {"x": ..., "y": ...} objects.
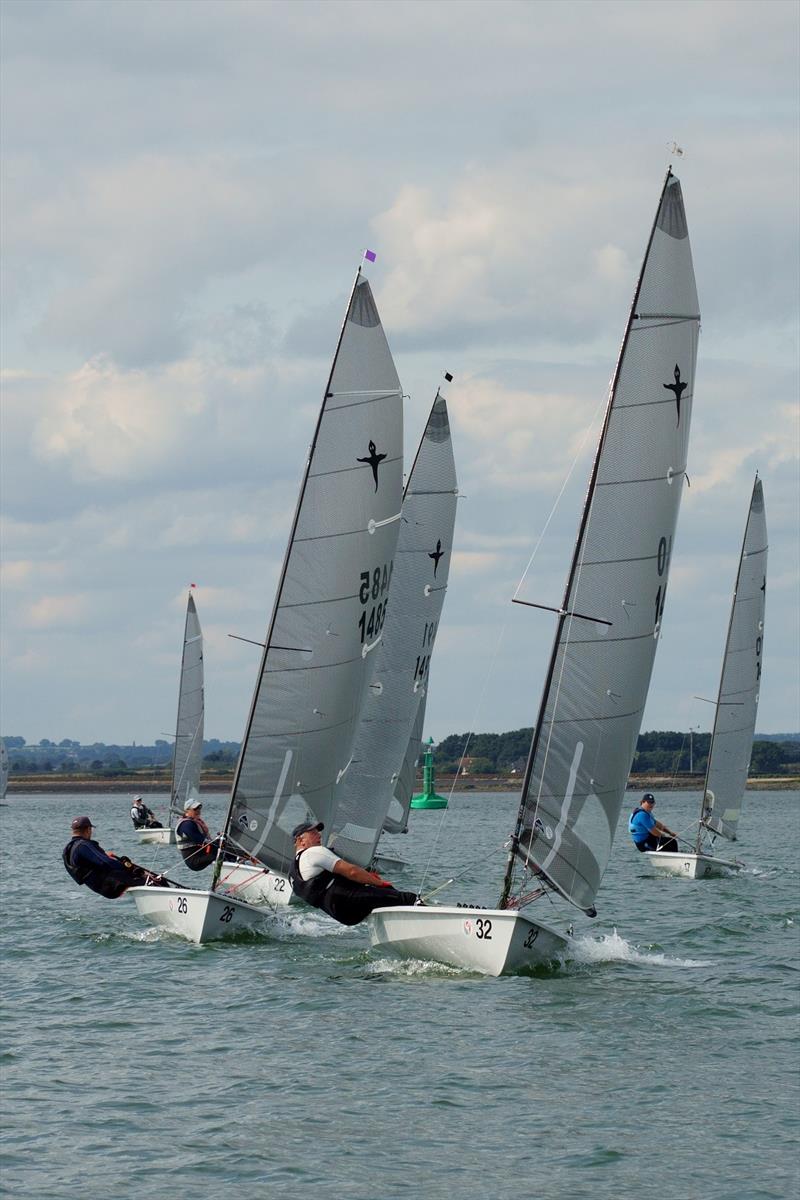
[
  {"x": 399, "y": 685},
  {"x": 737, "y": 702},
  {"x": 607, "y": 634},
  {"x": 331, "y": 599},
  {"x": 188, "y": 757}
]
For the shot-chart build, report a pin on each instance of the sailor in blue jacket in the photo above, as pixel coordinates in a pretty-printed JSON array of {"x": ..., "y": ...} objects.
[
  {"x": 87, "y": 863},
  {"x": 646, "y": 831}
]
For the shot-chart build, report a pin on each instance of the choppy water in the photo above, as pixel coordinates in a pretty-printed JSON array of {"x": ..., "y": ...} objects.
[{"x": 663, "y": 1061}]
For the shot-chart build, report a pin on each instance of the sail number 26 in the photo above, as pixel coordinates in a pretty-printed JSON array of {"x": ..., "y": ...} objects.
[{"x": 374, "y": 586}]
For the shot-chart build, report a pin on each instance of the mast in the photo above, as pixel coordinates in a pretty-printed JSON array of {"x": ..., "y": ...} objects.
[
  {"x": 565, "y": 615},
  {"x": 268, "y": 639}
]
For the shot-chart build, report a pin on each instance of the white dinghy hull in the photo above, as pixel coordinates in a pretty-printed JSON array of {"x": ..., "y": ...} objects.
[
  {"x": 257, "y": 885},
  {"x": 199, "y": 916},
  {"x": 492, "y": 941},
  {"x": 690, "y": 866},
  {"x": 156, "y": 837}
]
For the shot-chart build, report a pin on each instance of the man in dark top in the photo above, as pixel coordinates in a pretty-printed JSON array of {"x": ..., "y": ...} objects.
[
  {"x": 87, "y": 863},
  {"x": 198, "y": 848},
  {"x": 341, "y": 889},
  {"x": 647, "y": 832},
  {"x": 142, "y": 816}
]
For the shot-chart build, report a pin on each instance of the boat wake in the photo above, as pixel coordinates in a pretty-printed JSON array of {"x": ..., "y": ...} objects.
[{"x": 613, "y": 948}]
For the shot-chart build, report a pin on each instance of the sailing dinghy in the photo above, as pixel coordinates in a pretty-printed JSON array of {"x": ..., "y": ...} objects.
[
  {"x": 605, "y": 642},
  {"x": 402, "y": 669},
  {"x": 736, "y": 708},
  {"x": 326, "y": 623},
  {"x": 187, "y": 759}
]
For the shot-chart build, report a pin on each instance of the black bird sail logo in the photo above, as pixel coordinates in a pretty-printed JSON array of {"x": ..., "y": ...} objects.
[
  {"x": 436, "y": 555},
  {"x": 374, "y": 459},
  {"x": 678, "y": 387}
]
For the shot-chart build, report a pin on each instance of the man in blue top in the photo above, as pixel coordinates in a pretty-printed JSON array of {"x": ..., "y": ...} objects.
[
  {"x": 647, "y": 832},
  {"x": 87, "y": 863}
]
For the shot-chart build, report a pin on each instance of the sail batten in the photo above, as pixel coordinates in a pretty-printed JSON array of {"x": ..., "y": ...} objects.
[
  {"x": 735, "y": 721},
  {"x": 331, "y": 598},
  {"x": 620, "y": 566}
]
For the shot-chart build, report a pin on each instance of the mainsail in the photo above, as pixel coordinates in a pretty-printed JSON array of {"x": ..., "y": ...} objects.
[
  {"x": 331, "y": 600},
  {"x": 188, "y": 757},
  {"x": 737, "y": 700},
  {"x": 610, "y": 619},
  {"x": 397, "y": 817},
  {"x": 400, "y": 681},
  {"x": 3, "y": 769}
]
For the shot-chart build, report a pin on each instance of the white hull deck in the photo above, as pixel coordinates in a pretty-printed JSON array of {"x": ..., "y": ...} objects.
[
  {"x": 690, "y": 866},
  {"x": 199, "y": 916},
  {"x": 492, "y": 941},
  {"x": 257, "y": 885},
  {"x": 156, "y": 837}
]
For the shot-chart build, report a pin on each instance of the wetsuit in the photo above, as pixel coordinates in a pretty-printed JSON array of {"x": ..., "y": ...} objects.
[
  {"x": 343, "y": 899},
  {"x": 143, "y": 818},
  {"x": 88, "y": 864}
]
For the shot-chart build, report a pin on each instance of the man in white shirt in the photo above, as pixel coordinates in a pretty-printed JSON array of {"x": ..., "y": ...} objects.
[{"x": 341, "y": 889}]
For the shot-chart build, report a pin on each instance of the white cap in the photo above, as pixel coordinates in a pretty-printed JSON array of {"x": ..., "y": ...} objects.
[{"x": 190, "y": 803}]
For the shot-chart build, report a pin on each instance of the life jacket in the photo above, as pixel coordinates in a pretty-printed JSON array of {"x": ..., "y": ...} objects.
[
  {"x": 633, "y": 829},
  {"x": 314, "y": 891},
  {"x": 96, "y": 877}
]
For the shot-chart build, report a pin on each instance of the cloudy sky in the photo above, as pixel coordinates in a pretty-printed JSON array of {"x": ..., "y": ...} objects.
[{"x": 187, "y": 186}]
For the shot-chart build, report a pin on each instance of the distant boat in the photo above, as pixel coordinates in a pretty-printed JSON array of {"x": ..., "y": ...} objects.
[
  {"x": 402, "y": 670},
  {"x": 326, "y": 624},
  {"x": 608, "y": 628},
  {"x": 3, "y": 770},
  {"x": 187, "y": 759},
  {"x": 736, "y": 708}
]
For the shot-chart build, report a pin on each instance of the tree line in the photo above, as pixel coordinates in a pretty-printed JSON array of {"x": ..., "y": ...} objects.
[{"x": 663, "y": 753}]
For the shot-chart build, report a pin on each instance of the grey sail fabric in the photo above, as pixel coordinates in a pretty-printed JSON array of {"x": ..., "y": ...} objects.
[
  {"x": 3, "y": 769},
  {"x": 331, "y": 600},
  {"x": 188, "y": 758},
  {"x": 402, "y": 667},
  {"x": 595, "y": 693},
  {"x": 737, "y": 701},
  {"x": 397, "y": 817}
]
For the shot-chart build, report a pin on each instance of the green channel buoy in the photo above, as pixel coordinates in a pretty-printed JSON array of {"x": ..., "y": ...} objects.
[{"x": 428, "y": 798}]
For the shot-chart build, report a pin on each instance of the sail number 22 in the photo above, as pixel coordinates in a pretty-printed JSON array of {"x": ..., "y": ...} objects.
[{"x": 374, "y": 586}]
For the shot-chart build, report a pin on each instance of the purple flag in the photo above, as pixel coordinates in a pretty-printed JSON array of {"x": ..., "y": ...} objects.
[{"x": 370, "y": 255}]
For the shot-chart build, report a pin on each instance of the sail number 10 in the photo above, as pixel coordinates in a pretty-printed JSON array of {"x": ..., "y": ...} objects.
[{"x": 374, "y": 586}]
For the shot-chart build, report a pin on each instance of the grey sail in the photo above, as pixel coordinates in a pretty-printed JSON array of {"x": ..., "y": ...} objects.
[
  {"x": 330, "y": 605},
  {"x": 396, "y": 820},
  {"x": 737, "y": 701},
  {"x": 188, "y": 757},
  {"x": 402, "y": 666},
  {"x": 607, "y": 634},
  {"x": 3, "y": 769}
]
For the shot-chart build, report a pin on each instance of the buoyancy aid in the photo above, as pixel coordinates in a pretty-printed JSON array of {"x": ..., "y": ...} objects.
[
  {"x": 313, "y": 891},
  {"x": 94, "y": 876},
  {"x": 634, "y": 827}
]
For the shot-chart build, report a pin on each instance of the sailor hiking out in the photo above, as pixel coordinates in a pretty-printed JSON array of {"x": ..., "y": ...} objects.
[
  {"x": 89, "y": 864},
  {"x": 341, "y": 889}
]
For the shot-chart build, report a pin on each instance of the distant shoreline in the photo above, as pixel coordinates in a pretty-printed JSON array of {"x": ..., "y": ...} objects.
[{"x": 148, "y": 785}]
